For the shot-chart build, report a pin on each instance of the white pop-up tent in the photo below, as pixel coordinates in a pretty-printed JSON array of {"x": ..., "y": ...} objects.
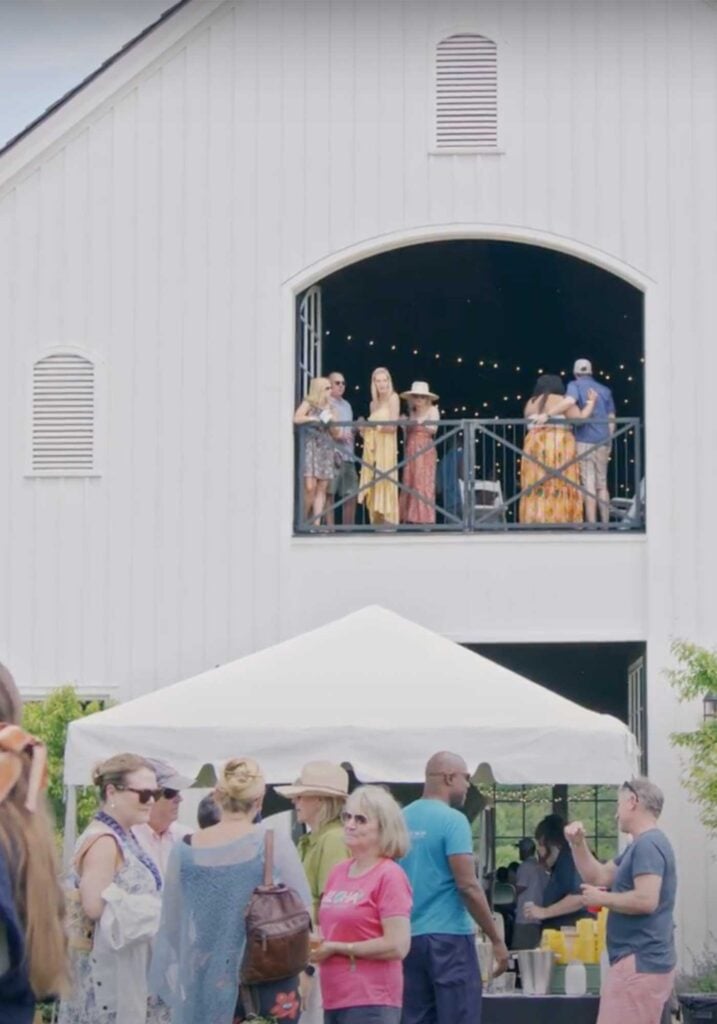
[{"x": 372, "y": 689}]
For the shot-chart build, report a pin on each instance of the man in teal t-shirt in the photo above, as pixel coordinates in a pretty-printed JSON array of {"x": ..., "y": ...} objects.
[{"x": 441, "y": 974}]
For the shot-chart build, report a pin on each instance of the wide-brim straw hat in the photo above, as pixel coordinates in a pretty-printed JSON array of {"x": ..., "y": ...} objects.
[
  {"x": 420, "y": 389},
  {"x": 318, "y": 778}
]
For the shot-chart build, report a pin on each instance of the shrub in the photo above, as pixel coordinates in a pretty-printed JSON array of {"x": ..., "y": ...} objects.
[
  {"x": 49, "y": 719},
  {"x": 696, "y": 676}
]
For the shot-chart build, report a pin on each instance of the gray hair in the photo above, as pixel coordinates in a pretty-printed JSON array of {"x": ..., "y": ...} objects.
[{"x": 650, "y": 796}]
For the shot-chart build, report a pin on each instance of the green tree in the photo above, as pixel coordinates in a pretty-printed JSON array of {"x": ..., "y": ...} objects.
[
  {"x": 48, "y": 720},
  {"x": 696, "y": 676}
]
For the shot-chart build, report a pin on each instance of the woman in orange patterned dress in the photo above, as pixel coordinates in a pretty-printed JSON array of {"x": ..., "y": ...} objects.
[
  {"x": 550, "y": 448},
  {"x": 419, "y": 472}
]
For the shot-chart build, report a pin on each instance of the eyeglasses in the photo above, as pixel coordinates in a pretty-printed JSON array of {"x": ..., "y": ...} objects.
[
  {"x": 144, "y": 795},
  {"x": 170, "y": 794},
  {"x": 360, "y": 819}
]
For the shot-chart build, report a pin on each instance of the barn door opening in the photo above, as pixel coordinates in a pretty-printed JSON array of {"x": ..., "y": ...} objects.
[
  {"x": 637, "y": 707},
  {"x": 310, "y": 338}
]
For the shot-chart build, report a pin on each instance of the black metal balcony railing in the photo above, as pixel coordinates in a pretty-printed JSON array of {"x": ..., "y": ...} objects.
[{"x": 500, "y": 475}]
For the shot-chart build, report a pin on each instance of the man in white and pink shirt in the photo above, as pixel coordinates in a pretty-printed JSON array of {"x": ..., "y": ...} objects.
[{"x": 162, "y": 831}]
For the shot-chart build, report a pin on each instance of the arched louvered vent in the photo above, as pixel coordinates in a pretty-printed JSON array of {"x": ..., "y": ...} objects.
[
  {"x": 63, "y": 415},
  {"x": 466, "y": 93}
]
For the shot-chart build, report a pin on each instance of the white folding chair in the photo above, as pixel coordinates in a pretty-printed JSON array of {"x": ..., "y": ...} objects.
[{"x": 488, "y": 504}]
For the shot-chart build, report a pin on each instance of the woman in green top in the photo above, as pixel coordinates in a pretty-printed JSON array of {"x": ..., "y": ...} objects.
[{"x": 318, "y": 796}]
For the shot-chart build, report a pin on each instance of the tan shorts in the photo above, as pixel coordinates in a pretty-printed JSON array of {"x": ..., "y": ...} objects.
[{"x": 593, "y": 467}]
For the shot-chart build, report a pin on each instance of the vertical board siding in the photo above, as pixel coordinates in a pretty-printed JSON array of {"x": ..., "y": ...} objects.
[{"x": 159, "y": 234}]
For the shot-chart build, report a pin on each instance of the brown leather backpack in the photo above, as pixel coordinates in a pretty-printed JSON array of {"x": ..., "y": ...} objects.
[{"x": 277, "y": 928}]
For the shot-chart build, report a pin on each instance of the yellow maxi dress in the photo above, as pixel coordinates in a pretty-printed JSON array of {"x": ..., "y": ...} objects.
[
  {"x": 548, "y": 498},
  {"x": 380, "y": 454}
]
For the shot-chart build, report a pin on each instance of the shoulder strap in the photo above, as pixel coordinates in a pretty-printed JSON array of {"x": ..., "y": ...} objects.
[{"x": 269, "y": 857}]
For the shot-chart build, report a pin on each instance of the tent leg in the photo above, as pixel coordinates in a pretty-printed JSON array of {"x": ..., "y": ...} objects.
[{"x": 70, "y": 837}]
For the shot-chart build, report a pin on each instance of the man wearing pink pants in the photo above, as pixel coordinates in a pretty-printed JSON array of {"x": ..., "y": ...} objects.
[{"x": 639, "y": 891}]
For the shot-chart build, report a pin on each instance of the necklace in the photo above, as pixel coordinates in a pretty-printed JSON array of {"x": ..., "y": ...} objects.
[{"x": 128, "y": 840}]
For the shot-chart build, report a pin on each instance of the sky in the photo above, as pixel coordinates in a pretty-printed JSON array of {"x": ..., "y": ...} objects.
[{"x": 48, "y": 46}]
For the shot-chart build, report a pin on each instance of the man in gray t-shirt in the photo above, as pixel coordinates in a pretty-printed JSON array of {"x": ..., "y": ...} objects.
[
  {"x": 639, "y": 891},
  {"x": 530, "y": 881}
]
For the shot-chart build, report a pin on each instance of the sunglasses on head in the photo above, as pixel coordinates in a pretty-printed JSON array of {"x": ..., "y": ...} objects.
[
  {"x": 144, "y": 795},
  {"x": 629, "y": 786},
  {"x": 360, "y": 819}
]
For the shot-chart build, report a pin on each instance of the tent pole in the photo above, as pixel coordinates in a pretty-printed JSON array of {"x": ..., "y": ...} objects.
[{"x": 70, "y": 836}]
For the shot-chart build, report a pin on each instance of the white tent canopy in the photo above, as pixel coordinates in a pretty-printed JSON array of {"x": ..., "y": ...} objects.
[{"x": 372, "y": 689}]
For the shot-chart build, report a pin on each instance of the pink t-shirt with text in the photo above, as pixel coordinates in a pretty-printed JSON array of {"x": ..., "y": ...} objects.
[{"x": 351, "y": 911}]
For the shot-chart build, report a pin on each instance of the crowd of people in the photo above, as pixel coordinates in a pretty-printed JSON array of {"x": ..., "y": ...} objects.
[
  {"x": 153, "y": 926},
  {"x": 563, "y": 472}
]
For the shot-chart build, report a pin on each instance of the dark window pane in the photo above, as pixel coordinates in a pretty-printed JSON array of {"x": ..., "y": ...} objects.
[
  {"x": 509, "y": 820},
  {"x": 583, "y": 810},
  {"x": 606, "y": 849},
  {"x": 581, "y": 793},
  {"x": 534, "y": 813}
]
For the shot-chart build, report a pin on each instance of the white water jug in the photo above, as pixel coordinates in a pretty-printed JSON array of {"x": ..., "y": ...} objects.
[{"x": 576, "y": 979}]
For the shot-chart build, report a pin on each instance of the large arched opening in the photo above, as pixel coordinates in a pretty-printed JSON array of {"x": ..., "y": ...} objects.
[{"x": 480, "y": 319}]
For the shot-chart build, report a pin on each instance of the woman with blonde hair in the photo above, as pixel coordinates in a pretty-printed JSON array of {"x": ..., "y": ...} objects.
[
  {"x": 33, "y": 949},
  {"x": 208, "y": 885},
  {"x": 114, "y": 902},
  {"x": 365, "y": 915},
  {"x": 314, "y": 414},
  {"x": 378, "y": 482}
]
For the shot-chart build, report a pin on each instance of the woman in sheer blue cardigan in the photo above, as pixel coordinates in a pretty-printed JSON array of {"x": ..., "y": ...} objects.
[{"x": 208, "y": 884}]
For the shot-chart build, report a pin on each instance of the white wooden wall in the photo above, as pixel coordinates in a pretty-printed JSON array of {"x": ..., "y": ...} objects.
[{"x": 165, "y": 232}]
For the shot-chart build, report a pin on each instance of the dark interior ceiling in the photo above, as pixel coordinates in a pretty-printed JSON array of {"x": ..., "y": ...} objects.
[{"x": 480, "y": 320}]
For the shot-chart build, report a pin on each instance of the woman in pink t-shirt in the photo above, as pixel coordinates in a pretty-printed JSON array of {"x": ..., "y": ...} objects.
[{"x": 364, "y": 916}]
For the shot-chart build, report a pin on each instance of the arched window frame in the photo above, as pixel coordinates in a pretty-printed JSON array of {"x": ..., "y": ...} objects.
[
  {"x": 494, "y": 148},
  {"x": 92, "y": 469}
]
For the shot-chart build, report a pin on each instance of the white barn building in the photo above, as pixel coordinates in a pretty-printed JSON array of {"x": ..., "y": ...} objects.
[{"x": 158, "y": 228}]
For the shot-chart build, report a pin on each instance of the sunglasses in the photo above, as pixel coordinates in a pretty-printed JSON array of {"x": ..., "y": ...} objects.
[
  {"x": 144, "y": 795},
  {"x": 449, "y": 775},
  {"x": 169, "y": 794},
  {"x": 629, "y": 786},
  {"x": 360, "y": 819}
]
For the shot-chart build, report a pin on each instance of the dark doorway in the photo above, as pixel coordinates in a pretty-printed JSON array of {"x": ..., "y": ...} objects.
[{"x": 592, "y": 674}]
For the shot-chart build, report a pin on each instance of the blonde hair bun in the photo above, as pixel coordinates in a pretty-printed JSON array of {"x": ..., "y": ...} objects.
[{"x": 241, "y": 780}]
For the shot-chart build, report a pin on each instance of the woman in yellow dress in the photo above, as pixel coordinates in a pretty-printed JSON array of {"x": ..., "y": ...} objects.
[
  {"x": 380, "y": 453},
  {"x": 549, "y": 440}
]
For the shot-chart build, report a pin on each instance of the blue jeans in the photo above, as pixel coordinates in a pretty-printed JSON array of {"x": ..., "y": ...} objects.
[{"x": 441, "y": 981}]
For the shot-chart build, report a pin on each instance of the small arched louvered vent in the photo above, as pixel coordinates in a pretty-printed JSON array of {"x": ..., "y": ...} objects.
[
  {"x": 63, "y": 415},
  {"x": 466, "y": 93}
]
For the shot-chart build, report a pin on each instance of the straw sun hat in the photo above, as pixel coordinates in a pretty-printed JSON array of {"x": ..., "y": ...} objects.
[
  {"x": 419, "y": 389},
  {"x": 318, "y": 778}
]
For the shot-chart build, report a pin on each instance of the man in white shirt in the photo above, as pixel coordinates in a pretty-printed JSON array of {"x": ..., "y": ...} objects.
[{"x": 162, "y": 831}]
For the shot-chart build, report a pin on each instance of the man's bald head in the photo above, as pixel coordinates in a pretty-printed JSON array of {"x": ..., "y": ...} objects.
[
  {"x": 447, "y": 778},
  {"x": 445, "y": 763}
]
